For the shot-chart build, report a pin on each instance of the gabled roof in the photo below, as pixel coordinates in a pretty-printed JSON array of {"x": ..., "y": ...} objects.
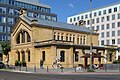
[{"x": 54, "y": 24}]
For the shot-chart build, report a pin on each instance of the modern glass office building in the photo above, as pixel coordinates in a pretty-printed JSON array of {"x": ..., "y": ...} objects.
[
  {"x": 9, "y": 13},
  {"x": 105, "y": 20}
]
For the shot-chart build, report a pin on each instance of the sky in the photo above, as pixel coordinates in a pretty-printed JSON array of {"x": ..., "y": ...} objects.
[{"x": 66, "y": 8}]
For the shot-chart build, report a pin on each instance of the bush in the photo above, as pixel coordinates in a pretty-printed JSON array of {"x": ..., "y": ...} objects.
[
  {"x": 23, "y": 63},
  {"x": 116, "y": 62},
  {"x": 17, "y": 63},
  {"x": 90, "y": 70}
]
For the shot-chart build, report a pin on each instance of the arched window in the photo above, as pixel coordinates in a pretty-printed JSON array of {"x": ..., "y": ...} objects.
[
  {"x": 43, "y": 55},
  {"x": 62, "y": 56},
  {"x": 24, "y": 35},
  {"x": 110, "y": 57},
  {"x": 84, "y": 40},
  {"x": 18, "y": 39},
  {"x": 62, "y": 36},
  {"x": 76, "y": 56},
  {"x": 28, "y": 37},
  {"x": 29, "y": 56},
  {"x": 81, "y": 40},
  {"x": 23, "y": 56},
  {"x": 58, "y": 37},
  {"x": 18, "y": 56},
  {"x": 67, "y": 37}
]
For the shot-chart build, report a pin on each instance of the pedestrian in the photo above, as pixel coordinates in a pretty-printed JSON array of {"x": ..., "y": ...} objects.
[{"x": 41, "y": 64}]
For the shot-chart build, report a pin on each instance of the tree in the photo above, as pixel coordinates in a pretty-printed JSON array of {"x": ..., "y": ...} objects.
[{"x": 5, "y": 45}]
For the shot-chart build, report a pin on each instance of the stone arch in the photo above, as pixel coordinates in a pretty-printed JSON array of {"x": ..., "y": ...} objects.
[{"x": 24, "y": 35}]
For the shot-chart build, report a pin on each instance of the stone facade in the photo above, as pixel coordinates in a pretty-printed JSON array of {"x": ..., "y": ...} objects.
[{"x": 31, "y": 43}]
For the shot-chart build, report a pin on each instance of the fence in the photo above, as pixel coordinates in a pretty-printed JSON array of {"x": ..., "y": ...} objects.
[
  {"x": 111, "y": 67},
  {"x": 106, "y": 68}
]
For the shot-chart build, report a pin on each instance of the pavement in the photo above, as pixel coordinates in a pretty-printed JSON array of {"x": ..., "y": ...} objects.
[
  {"x": 66, "y": 71},
  {"x": 7, "y": 75}
]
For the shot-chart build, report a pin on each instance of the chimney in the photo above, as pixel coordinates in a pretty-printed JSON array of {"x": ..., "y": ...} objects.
[
  {"x": 34, "y": 21},
  {"x": 23, "y": 12}
]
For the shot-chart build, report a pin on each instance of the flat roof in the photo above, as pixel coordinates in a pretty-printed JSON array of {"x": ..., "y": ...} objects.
[
  {"x": 34, "y": 2},
  {"x": 97, "y": 8}
]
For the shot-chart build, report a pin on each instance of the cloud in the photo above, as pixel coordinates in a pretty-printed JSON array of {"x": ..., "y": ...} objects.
[{"x": 71, "y": 5}]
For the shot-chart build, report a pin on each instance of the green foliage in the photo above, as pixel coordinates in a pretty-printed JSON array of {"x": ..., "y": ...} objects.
[
  {"x": 41, "y": 61},
  {"x": 17, "y": 63},
  {"x": 23, "y": 63},
  {"x": 90, "y": 70},
  {"x": 116, "y": 62},
  {"x": 5, "y": 45}
]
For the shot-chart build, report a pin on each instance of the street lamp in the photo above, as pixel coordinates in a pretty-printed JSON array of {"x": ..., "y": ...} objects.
[{"x": 90, "y": 34}]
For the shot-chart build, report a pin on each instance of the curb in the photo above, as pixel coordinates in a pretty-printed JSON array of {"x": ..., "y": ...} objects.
[{"x": 65, "y": 73}]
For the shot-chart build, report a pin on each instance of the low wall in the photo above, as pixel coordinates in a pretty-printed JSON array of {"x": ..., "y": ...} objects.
[{"x": 112, "y": 66}]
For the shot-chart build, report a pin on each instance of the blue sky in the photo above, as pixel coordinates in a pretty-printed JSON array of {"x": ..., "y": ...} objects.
[{"x": 66, "y": 8}]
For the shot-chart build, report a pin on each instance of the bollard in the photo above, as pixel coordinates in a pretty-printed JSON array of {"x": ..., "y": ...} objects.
[
  {"x": 19, "y": 68},
  {"x": 61, "y": 69},
  {"x": 34, "y": 68},
  {"x": 14, "y": 67},
  {"x": 119, "y": 68},
  {"x": 105, "y": 69},
  {"x": 75, "y": 68},
  {"x": 26, "y": 68},
  {"x": 47, "y": 69}
]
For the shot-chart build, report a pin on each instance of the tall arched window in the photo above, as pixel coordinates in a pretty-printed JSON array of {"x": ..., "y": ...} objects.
[
  {"x": 18, "y": 39},
  {"x": 110, "y": 57},
  {"x": 18, "y": 56},
  {"x": 62, "y": 56},
  {"x": 62, "y": 36},
  {"x": 43, "y": 55},
  {"x": 84, "y": 40},
  {"x": 81, "y": 40},
  {"x": 24, "y": 35},
  {"x": 28, "y": 37},
  {"x": 76, "y": 56},
  {"x": 58, "y": 37},
  {"x": 23, "y": 56},
  {"x": 66, "y": 37},
  {"x": 29, "y": 56}
]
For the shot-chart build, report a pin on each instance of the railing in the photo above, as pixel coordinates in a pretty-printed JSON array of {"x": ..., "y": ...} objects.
[{"x": 34, "y": 69}]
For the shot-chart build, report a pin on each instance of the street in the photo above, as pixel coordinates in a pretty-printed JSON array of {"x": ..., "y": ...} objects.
[{"x": 4, "y": 75}]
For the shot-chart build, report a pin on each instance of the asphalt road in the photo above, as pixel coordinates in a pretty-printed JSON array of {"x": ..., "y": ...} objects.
[{"x": 4, "y": 75}]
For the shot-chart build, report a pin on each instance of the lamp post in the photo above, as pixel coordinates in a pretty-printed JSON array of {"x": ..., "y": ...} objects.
[{"x": 90, "y": 34}]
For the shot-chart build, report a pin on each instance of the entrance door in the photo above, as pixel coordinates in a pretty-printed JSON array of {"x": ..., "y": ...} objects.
[{"x": 86, "y": 61}]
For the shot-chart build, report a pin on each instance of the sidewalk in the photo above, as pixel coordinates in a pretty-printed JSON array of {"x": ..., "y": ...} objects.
[{"x": 61, "y": 71}]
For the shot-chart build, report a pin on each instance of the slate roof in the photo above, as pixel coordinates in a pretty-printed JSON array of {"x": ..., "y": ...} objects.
[{"x": 58, "y": 25}]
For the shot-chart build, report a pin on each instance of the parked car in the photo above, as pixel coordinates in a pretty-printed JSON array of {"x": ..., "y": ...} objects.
[{"x": 2, "y": 65}]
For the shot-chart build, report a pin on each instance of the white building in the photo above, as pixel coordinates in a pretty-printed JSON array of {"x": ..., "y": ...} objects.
[{"x": 106, "y": 20}]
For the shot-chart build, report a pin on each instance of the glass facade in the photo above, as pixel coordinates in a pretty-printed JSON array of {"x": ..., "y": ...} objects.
[
  {"x": 2, "y": 19},
  {"x": 10, "y": 11},
  {"x": 3, "y": 10},
  {"x": 106, "y": 21},
  {"x": 10, "y": 21},
  {"x": 9, "y": 14},
  {"x": 3, "y": 29}
]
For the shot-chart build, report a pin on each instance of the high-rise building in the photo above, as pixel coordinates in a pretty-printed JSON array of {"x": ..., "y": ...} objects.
[
  {"x": 9, "y": 13},
  {"x": 105, "y": 20}
]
